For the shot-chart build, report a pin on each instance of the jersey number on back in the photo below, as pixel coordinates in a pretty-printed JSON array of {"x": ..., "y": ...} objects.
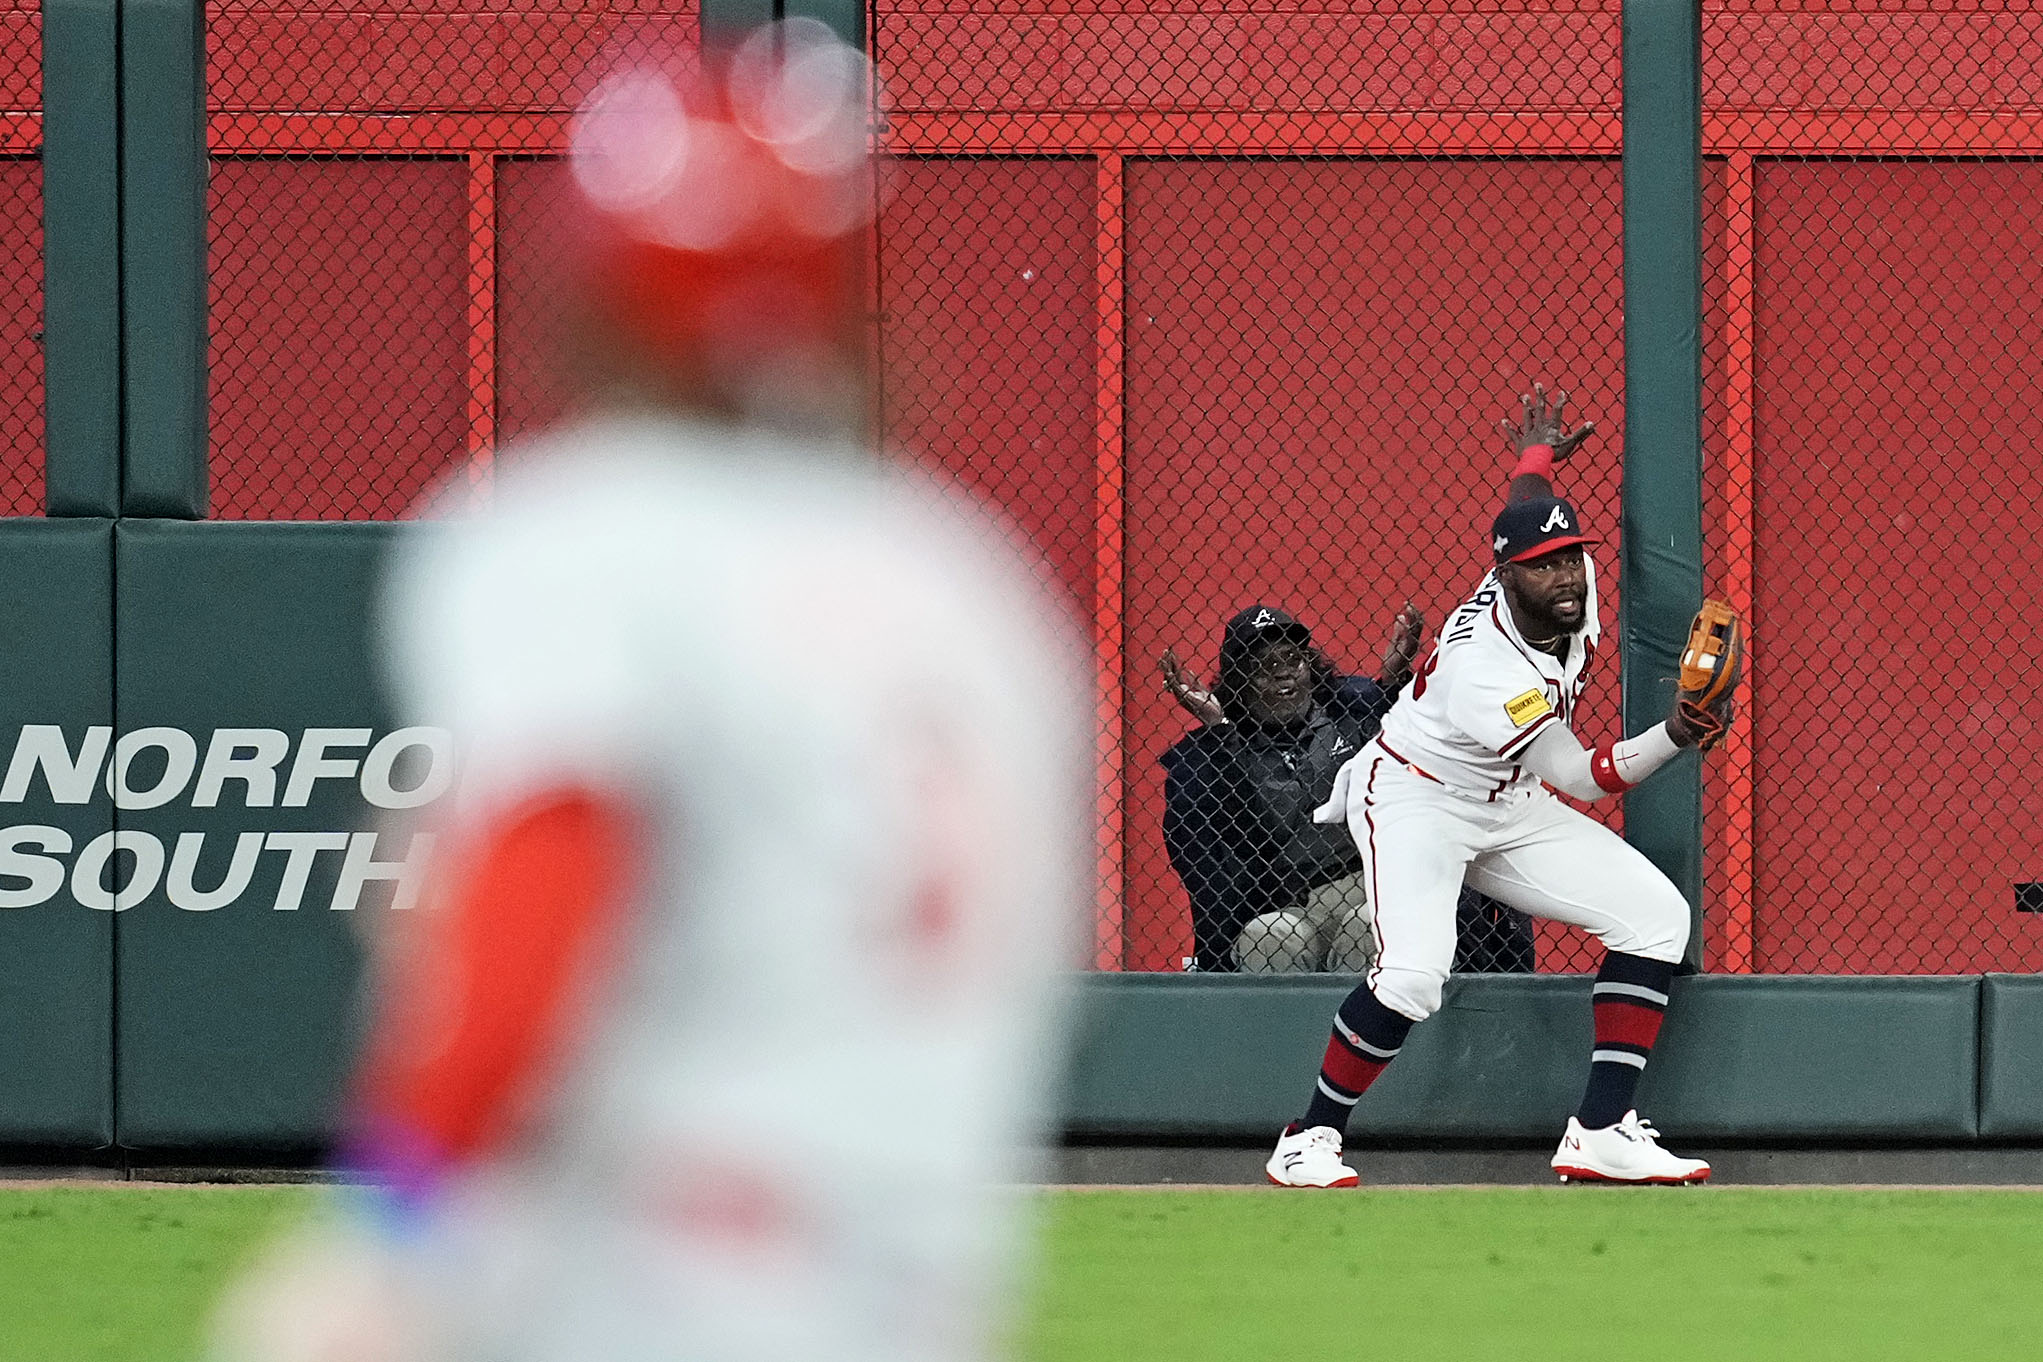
[{"x": 1424, "y": 670}]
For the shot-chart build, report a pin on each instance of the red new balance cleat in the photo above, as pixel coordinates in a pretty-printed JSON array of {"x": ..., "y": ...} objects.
[{"x": 1626, "y": 1152}]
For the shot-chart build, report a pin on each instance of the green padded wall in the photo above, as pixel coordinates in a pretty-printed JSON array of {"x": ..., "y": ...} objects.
[
  {"x": 1819, "y": 1057},
  {"x": 2011, "y": 1057},
  {"x": 163, "y": 258},
  {"x": 1182, "y": 1055},
  {"x": 1505, "y": 1058},
  {"x": 235, "y": 1020},
  {"x": 230, "y": 1006},
  {"x": 56, "y": 957},
  {"x": 81, "y": 239}
]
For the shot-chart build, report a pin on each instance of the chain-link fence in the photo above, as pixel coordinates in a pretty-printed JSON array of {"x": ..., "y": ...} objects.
[
  {"x": 1874, "y": 280},
  {"x": 1226, "y": 306},
  {"x": 21, "y": 259},
  {"x": 1222, "y": 303},
  {"x": 378, "y": 236}
]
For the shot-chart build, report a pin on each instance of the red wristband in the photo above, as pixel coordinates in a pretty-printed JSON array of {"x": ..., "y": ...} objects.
[
  {"x": 1536, "y": 461},
  {"x": 1604, "y": 770}
]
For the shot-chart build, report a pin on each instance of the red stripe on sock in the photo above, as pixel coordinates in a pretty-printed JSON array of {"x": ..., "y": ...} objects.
[
  {"x": 1348, "y": 1070},
  {"x": 1627, "y": 1024}
]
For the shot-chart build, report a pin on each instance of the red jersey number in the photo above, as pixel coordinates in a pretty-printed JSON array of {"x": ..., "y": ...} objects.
[{"x": 1424, "y": 670}]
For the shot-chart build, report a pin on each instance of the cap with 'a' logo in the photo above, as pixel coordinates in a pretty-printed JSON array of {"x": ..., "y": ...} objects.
[{"x": 1526, "y": 529}]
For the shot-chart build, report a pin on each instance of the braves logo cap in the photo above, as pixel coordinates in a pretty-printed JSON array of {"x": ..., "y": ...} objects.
[
  {"x": 1526, "y": 529},
  {"x": 1264, "y": 623}
]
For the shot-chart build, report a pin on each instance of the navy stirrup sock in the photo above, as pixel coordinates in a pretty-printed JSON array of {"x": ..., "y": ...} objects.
[
  {"x": 1630, "y": 999},
  {"x": 1366, "y": 1038}
]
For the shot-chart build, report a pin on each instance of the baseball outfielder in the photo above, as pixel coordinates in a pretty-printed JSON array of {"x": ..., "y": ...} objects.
[
  {"x": 724, "y": 1032},
  {"x": 1454, "y": 790}
]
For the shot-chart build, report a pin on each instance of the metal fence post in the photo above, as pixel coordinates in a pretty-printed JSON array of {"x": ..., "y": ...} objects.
[
  {"x": 845, "y": 17},
  {"x": 724, "y": 20},
  {"x": 81, "y": 242},
  {"x": 1662, "y": 559},
  {"x": 729, "y": 20},
  {"x": 163, "y": 255}
]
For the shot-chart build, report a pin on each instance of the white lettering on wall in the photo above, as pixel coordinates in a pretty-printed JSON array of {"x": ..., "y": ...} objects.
[
  {"x": 361, "y": 866},
  {"x": 302, "y": 848},
  {"x": 270, "y": 769},
  {"x": 45, "y": 873},
  {"x": 88, "y": 875},
  {"x": 266, "y": 748},
  {"x": 184, "y": 864},
  {"x": 180, "y": 759},
  {"x": 313, "y": 765},
  {"x": 438, "y": 745},
  {"x": 70, "y": 780}
]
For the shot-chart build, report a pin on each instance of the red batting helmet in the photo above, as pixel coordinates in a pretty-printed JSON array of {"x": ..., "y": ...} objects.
[{"x": 724, "y": 204}]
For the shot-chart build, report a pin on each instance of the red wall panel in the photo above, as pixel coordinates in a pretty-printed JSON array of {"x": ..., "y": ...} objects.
[
  {"x": 1054, "y": 55},
  {"x": 533, "y": 241},
  {"x": 986, "y": 297},
  {"x": 21, "y": 322},
  {"x": 1723, "y": 331},
  {"x": 339, "y": 343},
  {"x": 21, "y": 269},
  {"x": 1831, "y": 55},
  {"x": 1063, "y": 57},
  {"x": 1897, "y": 601},
  {"x": 21, "y": 69},
  {"x": 1318, "y": 354},
  {"x": 427, "y": 54}
]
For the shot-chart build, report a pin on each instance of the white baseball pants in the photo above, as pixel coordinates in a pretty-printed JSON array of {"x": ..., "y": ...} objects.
[{"x": 1421, "y": 841}]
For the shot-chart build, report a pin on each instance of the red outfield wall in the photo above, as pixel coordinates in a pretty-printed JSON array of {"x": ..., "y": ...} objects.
[
  {"x": 1219, "y": 301},
  {"x": 21, "y": 257}
]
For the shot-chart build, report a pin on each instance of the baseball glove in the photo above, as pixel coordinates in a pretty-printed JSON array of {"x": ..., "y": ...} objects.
[{"x": 1712, "y": 661}]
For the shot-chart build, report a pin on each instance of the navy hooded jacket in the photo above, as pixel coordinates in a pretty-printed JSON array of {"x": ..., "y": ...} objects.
[{"x": 1239, "y": 796}]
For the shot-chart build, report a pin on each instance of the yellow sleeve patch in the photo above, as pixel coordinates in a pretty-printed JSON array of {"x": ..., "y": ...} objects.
[{"x": 1523, "y": 709}]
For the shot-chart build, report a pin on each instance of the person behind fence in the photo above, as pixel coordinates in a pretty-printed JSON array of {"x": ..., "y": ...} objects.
[{"x": 1271, "y": 892}]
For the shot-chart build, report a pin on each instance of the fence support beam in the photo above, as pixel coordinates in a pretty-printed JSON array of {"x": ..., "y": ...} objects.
[
  {"x": 725, "y": 21},
  {"x": 81, "y": 242},
  {"x": 846, "y": 18},
  {"x": 1662, "y": 561},
  {"x": 163, "y": 256}
]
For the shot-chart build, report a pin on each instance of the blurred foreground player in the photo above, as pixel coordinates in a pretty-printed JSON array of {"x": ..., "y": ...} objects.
[{"x": 730, "y": 1020}]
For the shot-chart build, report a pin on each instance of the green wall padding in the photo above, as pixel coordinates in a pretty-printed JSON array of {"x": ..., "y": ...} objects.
[
  {"x": 56, "y": 958},
  {"x": 1505, "y": 1058},
  {"x": 1819, "y": 1057},
  {"x": 235, "y": 1022},
  {"x": 2011, "y": 1057}
]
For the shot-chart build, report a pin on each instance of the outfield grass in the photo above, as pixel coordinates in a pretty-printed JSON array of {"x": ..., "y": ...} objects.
[
  {"x": 124, "y": 1274},
  {"x": 1524, "y": 1274},
  {"x": 1489, "y": 1275}
]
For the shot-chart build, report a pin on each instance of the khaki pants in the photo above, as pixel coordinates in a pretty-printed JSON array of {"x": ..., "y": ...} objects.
[{"x": 1329, "y": 932}]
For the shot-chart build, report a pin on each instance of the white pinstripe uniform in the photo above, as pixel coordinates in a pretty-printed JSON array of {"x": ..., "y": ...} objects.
[{"x": 1440, "y": 798}]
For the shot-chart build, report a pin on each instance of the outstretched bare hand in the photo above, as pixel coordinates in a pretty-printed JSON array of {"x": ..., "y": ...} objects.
[
  {"x": 1189, "y": 691},
  {"x": 1407, "y": 628},
  {"x": 1541, "y": 424}
]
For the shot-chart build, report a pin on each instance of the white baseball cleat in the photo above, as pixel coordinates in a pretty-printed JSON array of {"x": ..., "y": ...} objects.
[
  {"x": 1626, "y": 1152},
  {"x": 1311, "y": 1158}
]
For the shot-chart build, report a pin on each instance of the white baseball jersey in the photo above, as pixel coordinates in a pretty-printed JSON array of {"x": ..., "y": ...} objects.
[
  {"x": 1440, "y": 799},
  {"x": 1475, "y": 705},
  {"x": 818, "y": 1060}
]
